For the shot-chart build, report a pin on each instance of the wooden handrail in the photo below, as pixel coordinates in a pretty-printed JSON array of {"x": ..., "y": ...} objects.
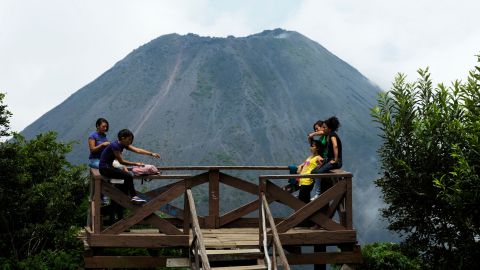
[
  {"x": 207, "y": 168},
  {"x": 196, "y": 230},
  {"x": 273, "y": 230},
  {"x": 319, "y": 175}
]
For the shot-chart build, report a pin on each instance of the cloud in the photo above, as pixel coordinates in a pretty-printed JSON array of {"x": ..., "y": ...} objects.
[
  {"x": 381, "y": 38},
  {"x": 52, "y": 48}
]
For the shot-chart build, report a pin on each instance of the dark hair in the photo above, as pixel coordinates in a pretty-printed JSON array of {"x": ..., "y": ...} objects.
[
  {"x": 318, "y": 145},
  {"x": 332, "y": 123},
  {"x": 319, "y": 123},
  {"x": 101, "y": 121},
  {"x": 125, "y": 133}
]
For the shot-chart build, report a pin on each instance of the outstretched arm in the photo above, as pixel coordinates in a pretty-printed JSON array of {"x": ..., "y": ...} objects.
[{"x": 143, "y": 151}]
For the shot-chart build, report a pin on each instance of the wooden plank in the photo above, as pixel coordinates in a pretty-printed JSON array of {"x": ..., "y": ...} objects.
[
  {"x": 233, "y": 251},
  {"x": 316, "y": 176},
  {"x": 242, "y": 267},
  {"x": 146, "y": 210},
  {"x": 321, "y": 237},
  {"x": 238, "y": 183},
  {"x": 234, "y": 254},
  {"x": 134, "y": 262},
  {"x": 136, "y": 240},
  {"x": 207, "y": 168},
  {"x": 162, "y": 176},
  {"x": 309, "y": 209}
]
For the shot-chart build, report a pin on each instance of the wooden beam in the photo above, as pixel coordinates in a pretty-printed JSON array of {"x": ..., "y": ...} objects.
[
  {"x": 348, "y": 205},
  {"x": 134, "y": 262},
  {"x": 321, "y": 237},
  {"x": 146, "y": 210},
  {"x": 207, "y": 168},
  {"x": 309, "y": 209},
  {"x": 238, "y": 183},
  {"x": 138, "y": 240},
  {"x": 118, "y": 196},
  {"x": 286, "y": 198},
  {"x": 213, "y": 199},
  {"x": 238, "y": 213}
]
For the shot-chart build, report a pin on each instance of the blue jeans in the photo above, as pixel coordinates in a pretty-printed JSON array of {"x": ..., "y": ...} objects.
[
  {"x": 93, "y": 163},
  {"x": 325, "y": 168}
]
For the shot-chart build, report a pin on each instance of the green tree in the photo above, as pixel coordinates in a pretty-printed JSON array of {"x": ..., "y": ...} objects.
[
  {"x": 4, "y": 117},
  {"x": 430, "y": 162},
  {"x": 43, "y": 199}
]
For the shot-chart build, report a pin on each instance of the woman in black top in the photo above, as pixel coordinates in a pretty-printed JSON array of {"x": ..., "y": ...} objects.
[{"x": 334, "y": 154}]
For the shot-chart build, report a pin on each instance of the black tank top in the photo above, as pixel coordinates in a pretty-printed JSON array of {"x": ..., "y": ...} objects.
[{"x": 331, "y": 155}]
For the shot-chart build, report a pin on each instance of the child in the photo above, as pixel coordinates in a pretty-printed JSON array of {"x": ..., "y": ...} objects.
[
  {"x": 314, "y": 160},
  {"x": 114, "y": 151},
  {"x": 316, "y": 135}
]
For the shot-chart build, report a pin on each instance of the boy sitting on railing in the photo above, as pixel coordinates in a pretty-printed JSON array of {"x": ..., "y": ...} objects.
[{"x": 114, "y": 151}]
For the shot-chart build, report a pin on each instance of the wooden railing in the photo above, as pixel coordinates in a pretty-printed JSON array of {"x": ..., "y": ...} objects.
[
  {"x": 332, "y": 211},
  {"x": 198, "y": 245},
  {"x": 336, "y": 197}
]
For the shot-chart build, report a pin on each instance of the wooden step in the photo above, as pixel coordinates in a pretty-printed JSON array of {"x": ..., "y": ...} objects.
[
  {"x": 233, "y": 254},
  {"x": 233, "y": 251},
  {"x": 241, "y": 267}
]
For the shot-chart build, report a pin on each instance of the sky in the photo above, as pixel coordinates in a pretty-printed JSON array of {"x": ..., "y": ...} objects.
[{"x": 49, "y": 49}]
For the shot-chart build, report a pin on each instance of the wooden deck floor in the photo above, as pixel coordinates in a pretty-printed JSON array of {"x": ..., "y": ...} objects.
[{"x": 248, "y": 237}]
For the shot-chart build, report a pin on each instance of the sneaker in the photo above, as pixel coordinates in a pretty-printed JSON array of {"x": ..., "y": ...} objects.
[
  {"x": 138, "y": 199},
  {"x": 314, "y": 197},
  {"x": 105, "y": 200}
]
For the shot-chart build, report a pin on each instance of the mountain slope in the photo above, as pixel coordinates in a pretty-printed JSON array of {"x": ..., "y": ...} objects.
[{"x": 230, "y": 101}]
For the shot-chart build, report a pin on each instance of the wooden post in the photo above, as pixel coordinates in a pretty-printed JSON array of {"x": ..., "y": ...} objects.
[
  {"x": 348, "y": 204},
  {"x": 213, "y": 220},
  {"x": 186, "y": 207},
  {"x": 97, "y": 203},
  {"x": 262, "y": 189}
]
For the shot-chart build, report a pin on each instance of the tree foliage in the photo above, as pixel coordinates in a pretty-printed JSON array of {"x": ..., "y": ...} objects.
[
  {"x": 43, "y": 199},
  {"x": 430, "y": 161},
  {"x": 4, "y": 117}
]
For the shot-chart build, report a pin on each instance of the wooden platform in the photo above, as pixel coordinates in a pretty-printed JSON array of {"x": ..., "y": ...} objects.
[{"x": 267, "y": 240}]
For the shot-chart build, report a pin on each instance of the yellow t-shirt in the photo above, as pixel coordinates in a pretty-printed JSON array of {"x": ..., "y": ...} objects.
[{"x": 308, "y": 166}]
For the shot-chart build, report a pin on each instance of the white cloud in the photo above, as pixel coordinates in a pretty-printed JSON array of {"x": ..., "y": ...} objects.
[
  {"x": 50, "y": 49},
  {"x": 381, "y": 38}
]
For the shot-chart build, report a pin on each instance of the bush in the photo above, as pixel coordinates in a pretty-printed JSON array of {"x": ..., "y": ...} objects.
[{"x": 387, "y": 256}]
